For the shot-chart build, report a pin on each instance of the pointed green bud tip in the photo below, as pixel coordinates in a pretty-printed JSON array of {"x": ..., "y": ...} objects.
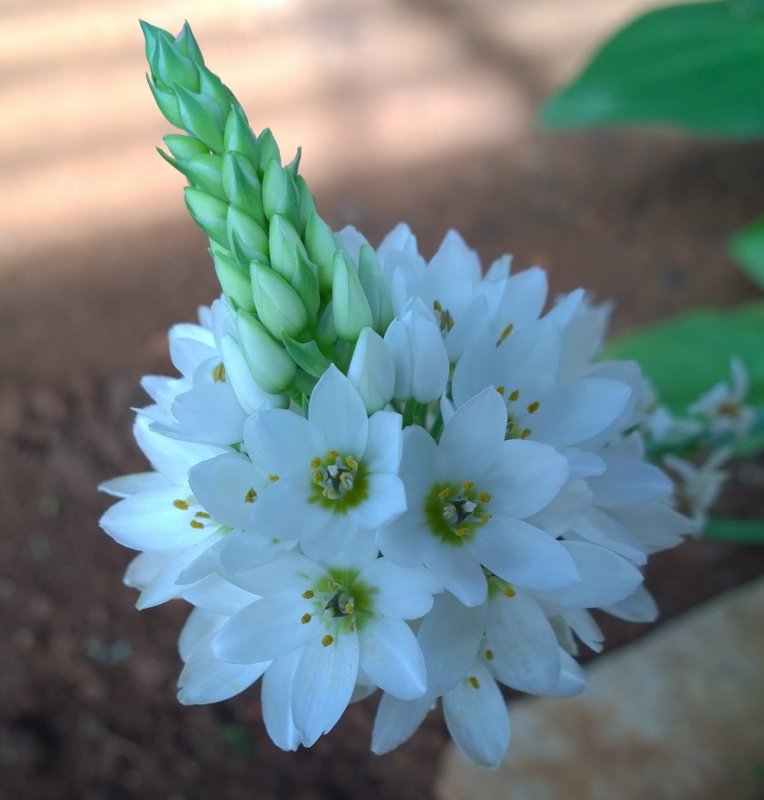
[
  {"x": 372, "y": 370},
  {"x": 267, "y": 360},
  {"x": 209, "y": 213},
  {"x": 242, "y": 186},
  {"x": 284, "y": 243},
  {"x": 201, "y": 117},
  {"x": 238, "y": 137},
  {"x": 278, "y": 305},
  {"x": 268, "y": 150},
  {"x": 351, "y": 308},
  {"x": 280, "y": 193},
  {"x": 234, "y": 282},
  {"x": 321, "y": 247},
  {"x": 184, "y": 146},
  {"x": 188, "y": 46},
  {"x": 171, "y": 67},
  {"x": 375, "y": 287}
]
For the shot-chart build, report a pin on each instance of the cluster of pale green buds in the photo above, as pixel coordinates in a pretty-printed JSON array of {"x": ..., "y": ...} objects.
[{"x": 301, "y": 303}]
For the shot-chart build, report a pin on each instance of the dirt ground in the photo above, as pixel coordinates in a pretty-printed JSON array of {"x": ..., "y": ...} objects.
[{"x": 97, "y": 259}]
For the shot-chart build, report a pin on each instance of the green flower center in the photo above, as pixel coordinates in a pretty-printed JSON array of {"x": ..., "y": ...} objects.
[
  {"x": 455, "y": 512},
  {"x": 339, "y": 481},
  {"x": 341, "y": 602}
]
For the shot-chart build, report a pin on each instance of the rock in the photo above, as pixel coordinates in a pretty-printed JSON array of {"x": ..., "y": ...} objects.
[{"x": 678, "y": 715}]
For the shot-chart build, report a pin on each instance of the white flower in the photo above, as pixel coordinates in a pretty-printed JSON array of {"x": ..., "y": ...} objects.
[
  {"x": 326, "y": 627},
  {"x": 723, "y": 407},
  {"x": 468, "y": 497},
  {"x": 699, "y": 486},
  {"x": 332, "y": 474}
]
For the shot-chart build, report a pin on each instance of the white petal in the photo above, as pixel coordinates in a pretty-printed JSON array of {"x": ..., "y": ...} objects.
[
  {"x": 600, "y": 528},
  {"x": 127, "y": 485},
  {"x": 655, "y": 525},
  {"x": 450, "y": 636},
  {"x": 629, "y": 481},
  {"x": 224, "y": 486},
  {"x": 291, "y": 572},
  {"x": 390, "y": 656},
  {"x": 283, "y": 510},
  {"x": 386, "y": 501},
  {"x": 524, "y": 555},
  {"x": 385, "y": 442},
  {"x": 572, "y": 677},
  {"x": 397, "y": 720},
  {"x": 323, "y": 685},
  {"x": 525, "y": 477},
  {"x": 477, "y": 718},
  {"x": 472, "y": 438},
  {"x": 247, "y": 390},
  {"x": 525, "y": 650},
  {"x": 640, "y": 606},
  {"x": 206, "y": 679},
  {"x": 458, "y": 570},
  {"x": 336, "y": 408},
  {"x": 606, "y": 578},
  {"x": 265, "y": 630},
  {"x": 246, "y": 549},
  {"x": 280, "y": 442},
  {"x": 399, "y": 591},
  {"x": 565, "y": 510},
  {"x": 276, "y": 697},
  {"x": 210, "y": 413},
  {"x": 151, "y": 521}
]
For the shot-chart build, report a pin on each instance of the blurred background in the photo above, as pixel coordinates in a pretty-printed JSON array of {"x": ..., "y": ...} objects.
[{"x": 415, "y": 110}]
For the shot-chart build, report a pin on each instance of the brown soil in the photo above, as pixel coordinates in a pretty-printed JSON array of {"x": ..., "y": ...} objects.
[{"x": 87, "y": 701}]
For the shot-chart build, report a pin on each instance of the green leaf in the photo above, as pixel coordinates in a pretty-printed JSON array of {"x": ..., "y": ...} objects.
[
  {"x": 746, "y": 247},
  {"x": 688, "y": 354},
  {"x": 307, "y": 356},
  {"x": 699, "y": 66},
  {"x": 738, "y": 531}
]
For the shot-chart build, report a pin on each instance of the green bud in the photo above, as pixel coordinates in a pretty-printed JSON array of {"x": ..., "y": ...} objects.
[
  {"x": 306, "y": 201},
  {"x": 267, "y": 151},
  {"x": 375, "y": 288},
  {"x": 238, "y": 136},
  {"x": 351, "y": 308},
  {"x": 202, "y": 171},
  {"x": 284, "y": 243},
  {"x": 280, "y": 193},
  {"x": 247, "y": 239},
  {"x": 321, "y": 247},
  {"x": 173, "y": 68},
  {"x": 326, "y": 333},
  {"x": 305, "y": 282},
  {"x": 188, "y": 46},
  {"x": 307, "y": 356},
  {"x": 151, "y": 36},
  {"x": 184, "y": 146},
  {"x": 235, "y": 284},
  {"x": 242, "y": 186},
  {"x": 212, "y": 87},
  {"x": 209, "y": 213},
  {"x": 294, "y": 165},
  {"x": 201, "y": 117},
  {"x": 267, "y": 360},
  {"x": 167, "y": 103},
  {"x": 278, "y": 305}
]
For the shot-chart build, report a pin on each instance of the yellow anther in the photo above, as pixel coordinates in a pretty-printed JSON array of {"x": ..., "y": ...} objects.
[
  {"x": 484, "y": 519},
  {"x": 273, "y": 478},
  {"x": 351, "y": 463},
  {"x": 484, "y": 497},
  {"x": 250, "y": 496},
  {"x": 202, "y": 515},
  {"x": 489, "y": 655},
  {"x": 333, "y": 586},
  {"x": 180, "y": 504},
  {"x": 509, "y": 592},
  {"x": 525, "y": 433},
  {"x": 318, "y": 477},
  {"x": 349, "y": 607},
  {"x": 514, "y": 395},
  {"x": 333, "y": 454},
  {"x": 436, "y": 306},
  {"x": 308, "y": 594},
  {"x": 462, "y": 530},
  {"x": 533, "y": 407},
  {"x": 444, "y": 494},
  {"x": 315, "y": 463},
  {"x": 305, "y": 619},
  {"x": 500, "y": 390},
  {"x": 473, "y": 682},
  {"x": 468, "y": 485},
  {"x": 196, "y": 524},
  {"x": 218, "y": 373},
  {"x": 503, "y": 335},
  {"x": 327, "y": 640}
]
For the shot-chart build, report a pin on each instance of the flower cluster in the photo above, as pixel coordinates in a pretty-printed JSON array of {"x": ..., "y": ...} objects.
[{"x": 376, "y": 473}]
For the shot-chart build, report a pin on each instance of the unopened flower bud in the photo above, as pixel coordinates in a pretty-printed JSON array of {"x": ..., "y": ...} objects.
[
  {"x": 184, "y": 146},
  {"x": 421, "y": 360},
  {"x": 238, "y": 136},
  {"x": 167, "y": 103},
  {"x": 305, "y": 283},
  {"x": 351, "y": 308},
  {"x": 284, "y": 242},
  {"x": 236, "y": 285},
  {"x": 267, "y": 151},
  {"x": 209, "y": 213},
  {"x": 242, "y": 186},
  {"x": 321, "y": 247},
  {"x": 375, "y": 287},
  {"x": 372, "y": 370},
  {"x": 247, "y": 239},
  {"x": 203, "y": 171},
  {"x": 188, "y": 46},
  {"x": 280, "y": 193},
  {"x": 201, "y": 117},
  {"x": 268, "y": 362},
  {"x": 307, "y": 203},
  {"x": 278, "y": 305},
  {"x": 171, "y": 67}
]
